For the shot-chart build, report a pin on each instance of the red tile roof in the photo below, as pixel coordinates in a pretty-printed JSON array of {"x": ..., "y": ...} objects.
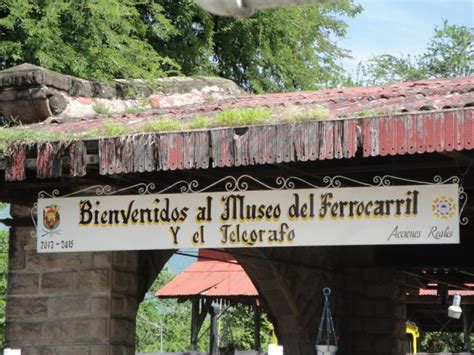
[
  {"x": 415, "y": 96},
  {"x": 216, "y": 274},
  {"x": 409, "y": 118}
]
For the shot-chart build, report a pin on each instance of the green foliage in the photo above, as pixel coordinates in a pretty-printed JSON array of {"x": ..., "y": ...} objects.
[
  {"x": 434, "y": 342},
  {"x": 3, "y": 281},
  {"x": 101, "y": 109},
  {"x": 101, "y": 39},
  {"x": 113, "y": 129},
  {"x": 315, "y": 114},
  {"x": 175, "y": 319},
  {"x": 161, "y": 125},
  {"x": 276, "y": 50},
  {"x": 450, "y": 52},
  {"x": 235, "y": 324},
  {"x": 236, "y": 329},
  {"x": 199, "y": 122},
  {"x": 242, "y": 117},
  {"x": 133, "y": 110},
  {"x": 9, "y": 136},
  {"x": 386, "y": 68}
]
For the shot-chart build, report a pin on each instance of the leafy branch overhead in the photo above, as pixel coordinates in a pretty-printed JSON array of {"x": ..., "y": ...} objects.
[{"x": 278, "y": 50}]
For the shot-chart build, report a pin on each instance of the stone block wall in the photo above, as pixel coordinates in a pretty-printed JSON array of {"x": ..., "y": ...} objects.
[
  {"x": 368, "y": 303},
  {"x": 71, "y": 303},
  {"x": 86, "y": 303},
  {"x": 375, "y": 311}
]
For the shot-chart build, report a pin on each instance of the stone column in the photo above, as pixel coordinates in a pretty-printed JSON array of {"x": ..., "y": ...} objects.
[
  {"x": 368, "y": 303},
  {"x": 375, "y": 312},
  {"x": 68, "y": 303}
]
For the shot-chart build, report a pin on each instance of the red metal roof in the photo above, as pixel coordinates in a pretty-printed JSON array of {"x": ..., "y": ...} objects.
[
  {"x": 426, "y": 95},
  {"x": 216, "y": 274},
  {"x": 417, "y": 117}
]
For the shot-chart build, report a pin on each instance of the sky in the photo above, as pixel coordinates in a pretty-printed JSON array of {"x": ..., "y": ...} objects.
[
  {"x": 400, "y": 27},
  {"x": 3, "y": 214}
]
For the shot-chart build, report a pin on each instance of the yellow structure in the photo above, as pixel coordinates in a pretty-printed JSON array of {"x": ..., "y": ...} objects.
[{"x": 413, "y": 333}]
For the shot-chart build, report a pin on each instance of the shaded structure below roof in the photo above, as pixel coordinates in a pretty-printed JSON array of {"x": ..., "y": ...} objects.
[
  {"x": 215, "y": 278},
  {"x": 428, "y": 304}
]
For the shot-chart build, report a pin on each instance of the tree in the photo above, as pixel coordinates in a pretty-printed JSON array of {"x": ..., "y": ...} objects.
[
  {"x": 171, "y": 317},
  {"x": 276, "y": 50},
  {"x": 237, "y": 328},
  {"x": 3, "y": 281},
  {"x": 441, "y": 341},
  {"x": 386, "y": 68},
  {"x": 173, "y": 320},
  {"x": 450, "y": 52},
  {"x": 101, "y": 39}
]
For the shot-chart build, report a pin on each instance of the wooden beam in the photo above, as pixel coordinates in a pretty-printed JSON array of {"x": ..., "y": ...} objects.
[
  {"x": 257, "y": 320},
  {"x": 199, "y": 310}
]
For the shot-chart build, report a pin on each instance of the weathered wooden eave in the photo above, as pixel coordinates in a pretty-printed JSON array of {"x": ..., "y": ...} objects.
[{"x": 421, "y": 132}]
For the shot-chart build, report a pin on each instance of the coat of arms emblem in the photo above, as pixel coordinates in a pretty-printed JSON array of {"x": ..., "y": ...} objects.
[{"x": 51, "y": 218}]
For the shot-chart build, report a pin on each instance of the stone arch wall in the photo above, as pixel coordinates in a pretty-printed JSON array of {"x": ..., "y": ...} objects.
[
  {"x": 86, "y": 303},
  {"x": 293, "y": 309}
]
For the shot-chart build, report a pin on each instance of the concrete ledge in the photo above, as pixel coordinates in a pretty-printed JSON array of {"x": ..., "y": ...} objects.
[{"x": 30, "y": 94}]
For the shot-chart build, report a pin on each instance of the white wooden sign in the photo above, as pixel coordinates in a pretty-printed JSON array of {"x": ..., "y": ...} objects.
[{"x": 411, "y": 214}]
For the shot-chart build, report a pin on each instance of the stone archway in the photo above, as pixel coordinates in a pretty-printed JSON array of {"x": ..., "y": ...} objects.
[
  {"x": 368, "y": 302},
  {"x": 86, "y": 303},
  {"x": 272, "y": 283}
]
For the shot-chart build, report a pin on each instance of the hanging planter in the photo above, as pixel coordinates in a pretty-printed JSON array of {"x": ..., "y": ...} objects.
[{"x": 326, "y": 344}]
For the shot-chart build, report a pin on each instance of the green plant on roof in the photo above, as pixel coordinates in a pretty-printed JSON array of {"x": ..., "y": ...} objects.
[
  {"x": 113, "y": 129},
  {"x": 243, "y": 117},
  {"x": 144, "y": 102},
  {"x": 318, "y": 113},
  {"x": 161, "y": 125},
  {"x": 92, "y": 133},
  {"x": 380, "y": 111},
  {"x": 133, "y": 110},
  {"x": 199, "y": 122},
  {"x": 10, "y": 136},
  {"x": 101, "y": 109}
]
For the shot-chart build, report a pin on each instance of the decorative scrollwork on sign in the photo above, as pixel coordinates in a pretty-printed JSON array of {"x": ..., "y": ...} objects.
[
  {"x": 44, "y": 194},
  {"x": 463, "y": 220},
  {"x": 33, "y": 213},
  {"x": 245, "y": 182},
  {"x": 387, "y": 180},
  {"x": 337, "y": 181}
]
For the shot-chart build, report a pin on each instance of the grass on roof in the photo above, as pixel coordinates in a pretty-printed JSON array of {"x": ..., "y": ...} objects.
[
  {"x": 161, "y": 125},
  {"x": 200, "y": 122},
  {"x": 9, "y": 136},
  {"x": 227, "y": 118},
  {"x": 318, "y": 113},
  {"x": 112, "y": 129},
  {"x": 242, "y": 117}
]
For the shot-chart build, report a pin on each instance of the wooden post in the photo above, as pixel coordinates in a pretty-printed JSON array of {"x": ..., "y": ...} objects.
[
  {"x": 468, "y": 323},
  {"x": 198, "y": 314},
  {"x": 213, "y": 343},
  {"x": 256, "y": 317},
  {"x": 194, "y": 324}
]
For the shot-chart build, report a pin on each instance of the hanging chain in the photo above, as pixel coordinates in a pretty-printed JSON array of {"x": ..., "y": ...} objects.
[{"x": 326, "y": 318}]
